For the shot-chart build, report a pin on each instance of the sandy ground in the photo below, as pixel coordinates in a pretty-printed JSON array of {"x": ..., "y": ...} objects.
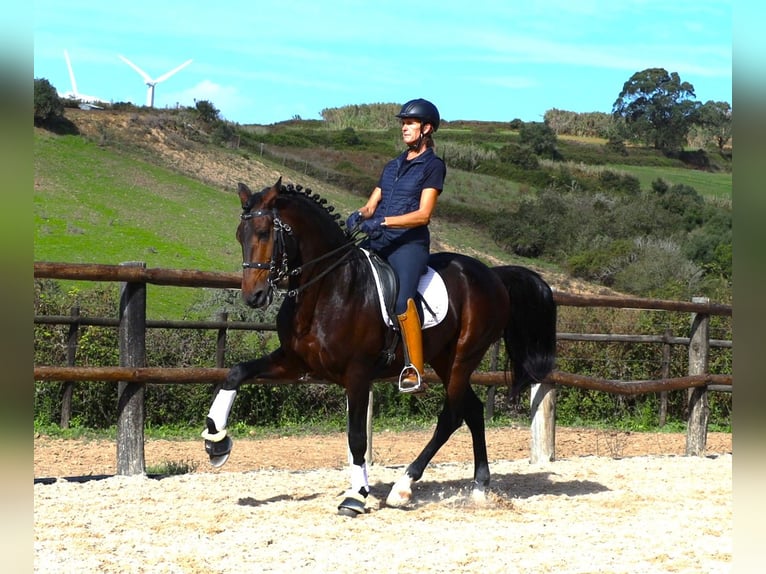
[{"x": 611, "y": 502}]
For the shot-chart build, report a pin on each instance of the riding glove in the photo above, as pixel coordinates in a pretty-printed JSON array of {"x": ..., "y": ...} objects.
[
  {"x": 373, "y": 226},
  {"x": 353, "y": 220}
]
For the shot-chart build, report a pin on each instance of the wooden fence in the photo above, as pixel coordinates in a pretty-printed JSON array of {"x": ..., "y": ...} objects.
[{"x": 131, "y": 375}]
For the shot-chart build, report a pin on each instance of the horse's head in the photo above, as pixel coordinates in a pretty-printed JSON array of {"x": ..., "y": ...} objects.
[
  {"x": 255, "y": 234},
  {"x": 283, "y": 229}
]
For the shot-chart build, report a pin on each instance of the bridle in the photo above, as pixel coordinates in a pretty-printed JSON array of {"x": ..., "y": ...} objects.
[{"x": 279, "y": 262}]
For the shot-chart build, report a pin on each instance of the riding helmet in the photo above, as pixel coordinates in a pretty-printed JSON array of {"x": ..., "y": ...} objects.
[{"x": 422, "y": 110}]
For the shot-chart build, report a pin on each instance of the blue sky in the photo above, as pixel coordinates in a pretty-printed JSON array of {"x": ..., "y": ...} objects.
[{"x": 264, "y": 62}]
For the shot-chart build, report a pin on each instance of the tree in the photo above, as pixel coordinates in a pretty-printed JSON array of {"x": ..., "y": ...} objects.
[
  {"x": 48, "y": 106},
  {"x": 658, "y": 108},
  {"x": 714, "y": 118},
  {"x": 540, "y": 138},
  {"x": 207, "y": 112}
]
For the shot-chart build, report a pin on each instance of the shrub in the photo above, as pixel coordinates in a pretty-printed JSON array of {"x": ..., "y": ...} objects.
[
  {"x": 654, "y": 266},
  {"x": 541, "y": 138},
  {"x": 47, "y": 104},
  {"x": 602, "y": 261},
  {"x": 519, "y": 155}
]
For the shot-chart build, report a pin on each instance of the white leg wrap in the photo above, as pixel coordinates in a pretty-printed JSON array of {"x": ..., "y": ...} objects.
[
  {"x": 359, "y": 477},
  {"x": 221, "y": 407}
]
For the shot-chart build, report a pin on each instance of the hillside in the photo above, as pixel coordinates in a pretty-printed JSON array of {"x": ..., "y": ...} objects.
[{"x": 146, "y": 139}]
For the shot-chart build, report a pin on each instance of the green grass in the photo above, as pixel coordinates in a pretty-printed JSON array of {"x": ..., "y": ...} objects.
[
  {"x": 707, "y": 184},
  {"x": 93, "y": 205},
  {"x": 171, "y": 468}
]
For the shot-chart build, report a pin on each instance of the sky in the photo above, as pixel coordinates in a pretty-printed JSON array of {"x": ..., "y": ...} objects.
[{"x": 262, "y": 62}]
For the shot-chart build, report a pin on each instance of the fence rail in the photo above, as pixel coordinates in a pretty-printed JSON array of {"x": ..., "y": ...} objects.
[{"x": 131, "y": 375}]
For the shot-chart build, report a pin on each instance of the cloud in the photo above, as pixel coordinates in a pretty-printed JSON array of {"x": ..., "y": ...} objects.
[{"x": 227, "y": 99}]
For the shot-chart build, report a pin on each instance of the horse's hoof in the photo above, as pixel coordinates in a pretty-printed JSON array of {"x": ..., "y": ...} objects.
[
  {"x": 219, "y": 451},
  {"x": 354, "y": 504},
  {"x": 479, "y": 496},
  {"x": 401, "y": 493},
  {"x": 351, "y": 508}
]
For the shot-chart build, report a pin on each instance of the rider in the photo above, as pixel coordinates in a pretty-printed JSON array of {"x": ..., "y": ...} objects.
[{"x": 396, "y": 218}]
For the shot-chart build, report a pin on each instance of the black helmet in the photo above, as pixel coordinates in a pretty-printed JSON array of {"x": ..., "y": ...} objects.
[{"x": 422, "y": 110}]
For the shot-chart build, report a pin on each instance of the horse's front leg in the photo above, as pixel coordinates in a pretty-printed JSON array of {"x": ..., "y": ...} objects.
[
  {"x": 218, "y": 444},
  {"x": 355, "y": 498}
]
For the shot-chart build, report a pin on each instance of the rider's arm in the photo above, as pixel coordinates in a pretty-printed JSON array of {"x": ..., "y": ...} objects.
[
  {"x": 372, "y": 203},
  {"x": 421, "y": 216}
]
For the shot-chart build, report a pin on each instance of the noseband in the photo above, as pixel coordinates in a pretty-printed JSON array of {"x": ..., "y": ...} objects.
[{"x": 278, "y": 265}]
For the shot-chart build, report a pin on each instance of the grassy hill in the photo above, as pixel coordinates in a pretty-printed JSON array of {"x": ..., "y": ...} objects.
[{"x": 148, "y": 185}]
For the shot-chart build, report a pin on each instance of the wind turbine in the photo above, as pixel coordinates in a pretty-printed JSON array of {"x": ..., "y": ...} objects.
[
  {"x": 153, "y": 82},
  {"x": 86, "y": 101}
]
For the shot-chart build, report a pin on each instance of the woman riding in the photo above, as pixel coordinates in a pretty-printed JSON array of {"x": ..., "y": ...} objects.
[{"x": 396, "y": 218}]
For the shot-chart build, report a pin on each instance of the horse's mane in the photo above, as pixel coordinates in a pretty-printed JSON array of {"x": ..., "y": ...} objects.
[{"x": 316, "y": 202}]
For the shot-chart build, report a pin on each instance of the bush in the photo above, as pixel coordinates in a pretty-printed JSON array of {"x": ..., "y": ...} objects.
[
  {"x": 540, "y": 138},
  {"x": 619, "y": 183},
  {"x": 47, "y": 105},
  {"x": 656, "y": 265},
  {"x": 519, "y": 155},
  {"x": 602, "y": 261}
]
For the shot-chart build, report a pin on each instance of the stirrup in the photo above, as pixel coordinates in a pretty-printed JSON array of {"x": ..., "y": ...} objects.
[{"x": 407, "y": 385}]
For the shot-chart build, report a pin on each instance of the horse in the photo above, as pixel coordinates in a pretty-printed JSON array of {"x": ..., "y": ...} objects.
[{"x": 331, "y": 329}]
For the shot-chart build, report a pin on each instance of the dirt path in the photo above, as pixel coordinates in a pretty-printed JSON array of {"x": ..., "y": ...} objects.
[{"x": 57, "y": 457}]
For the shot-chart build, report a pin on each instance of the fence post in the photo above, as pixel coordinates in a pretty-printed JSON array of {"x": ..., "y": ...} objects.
[
  {"x": 696, "y": 430},
  {"x": 492, "y": 390},
  {"x": 220, "y": 351},
  {"x": 131, "y": 410},
  {"x": 665, "y": 374},
  {"x": 543, "y": 425},
  {"x": 368, "y": 452},
  {"x": 71, "y": 355}
]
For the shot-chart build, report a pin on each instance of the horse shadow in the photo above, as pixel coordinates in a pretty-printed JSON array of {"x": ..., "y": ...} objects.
[
  {"x": 506, "y": 487},
  {"x": 254, "y": 502}
]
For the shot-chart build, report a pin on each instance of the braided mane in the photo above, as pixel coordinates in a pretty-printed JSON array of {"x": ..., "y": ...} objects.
[{"x": 305, "y": 193}]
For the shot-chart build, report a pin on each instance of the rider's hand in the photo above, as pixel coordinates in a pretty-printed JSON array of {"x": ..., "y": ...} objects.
[
  {"x": 373, "y": 226},
  {"x": 353, "y": 220}
]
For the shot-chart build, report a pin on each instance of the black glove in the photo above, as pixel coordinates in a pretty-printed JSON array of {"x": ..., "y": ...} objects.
[
  {"x": 353, "y": 220},
  {"x": 373, "y": 226}
]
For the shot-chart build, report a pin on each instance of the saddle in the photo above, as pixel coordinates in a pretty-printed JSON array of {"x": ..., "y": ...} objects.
[{"x": 431, "y": 291}]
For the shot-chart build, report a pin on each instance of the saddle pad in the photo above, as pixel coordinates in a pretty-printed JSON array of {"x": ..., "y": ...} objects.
[{"x": 431, "y": 287}]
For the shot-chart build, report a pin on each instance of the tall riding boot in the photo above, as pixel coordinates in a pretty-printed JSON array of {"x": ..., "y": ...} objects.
[{"x": 410, "y": 380}]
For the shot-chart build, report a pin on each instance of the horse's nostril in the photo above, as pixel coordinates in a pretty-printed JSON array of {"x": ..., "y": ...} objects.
[{"x": 257, "y": 299}]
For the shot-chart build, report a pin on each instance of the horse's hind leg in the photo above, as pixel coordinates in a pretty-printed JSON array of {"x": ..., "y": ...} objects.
[
  {"x": 449, "y": 421},
  {"x": 474, "y": 420}
]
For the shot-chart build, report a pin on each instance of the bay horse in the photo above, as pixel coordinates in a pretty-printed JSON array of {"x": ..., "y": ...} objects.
[{"x": 331, "y": 329}]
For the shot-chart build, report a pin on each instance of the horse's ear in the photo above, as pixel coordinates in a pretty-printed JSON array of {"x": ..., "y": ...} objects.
[
  {"x": 244, "y": 193},
  {"x": 270, "y": 194}
]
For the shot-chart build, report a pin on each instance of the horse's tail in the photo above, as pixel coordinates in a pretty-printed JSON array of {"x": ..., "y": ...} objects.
[{"x": 530, "y": 334}]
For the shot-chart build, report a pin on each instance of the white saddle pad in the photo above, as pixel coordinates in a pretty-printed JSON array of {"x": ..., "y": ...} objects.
[{"x": 431, "y": 287}]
